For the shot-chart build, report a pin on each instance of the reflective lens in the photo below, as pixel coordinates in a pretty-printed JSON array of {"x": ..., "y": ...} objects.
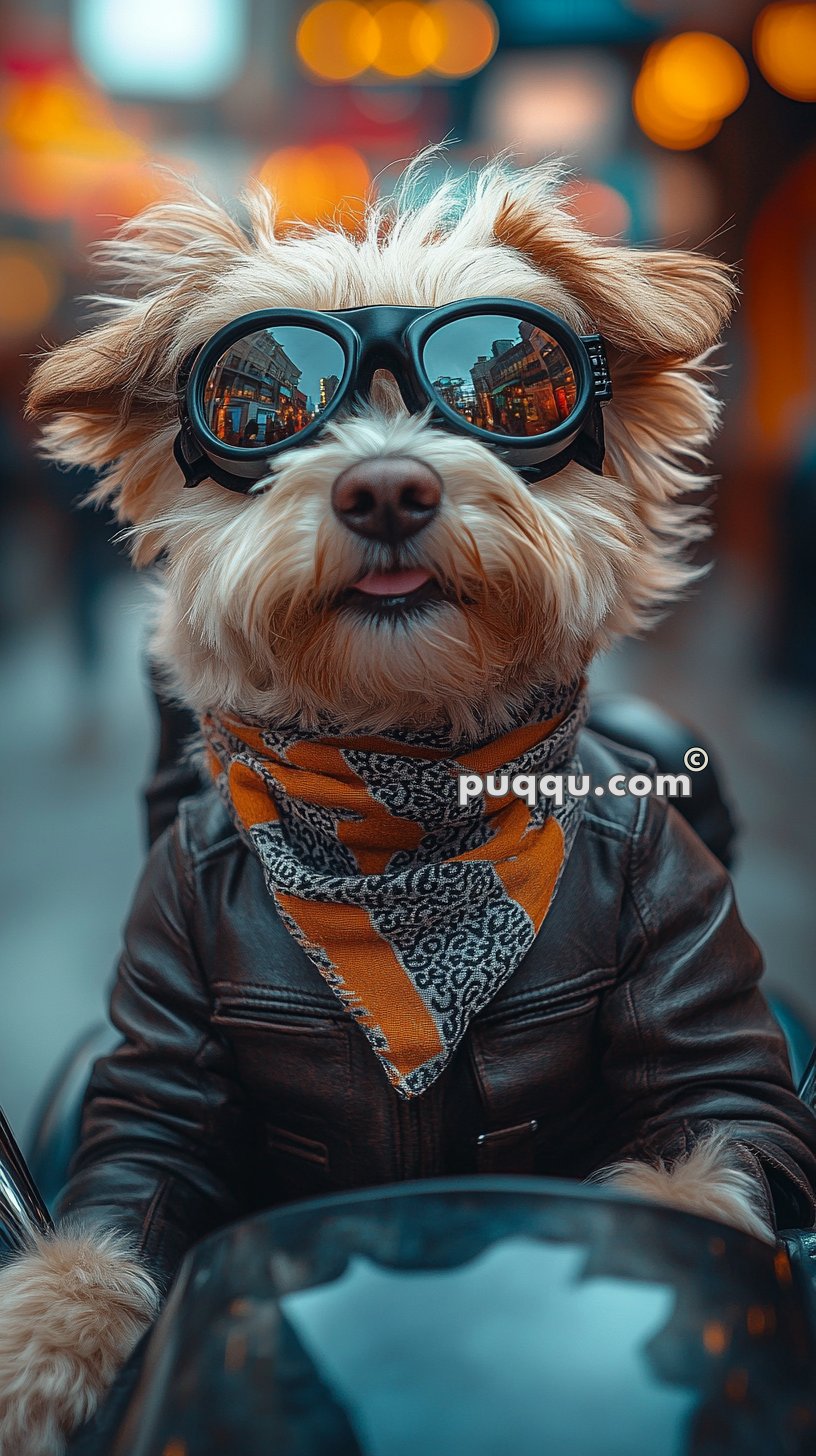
[
  {"x": 501, "y": 373},
  {"x": 270, "y": 385}
]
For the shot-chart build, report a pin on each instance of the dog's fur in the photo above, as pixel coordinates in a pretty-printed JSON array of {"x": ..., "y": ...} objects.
[
  {"x": 246, "y": 615},
  {"x": 71, "y": 1311}
]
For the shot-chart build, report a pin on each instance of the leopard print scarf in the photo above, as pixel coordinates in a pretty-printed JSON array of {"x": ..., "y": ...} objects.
[{"x": 415, "y": 910}]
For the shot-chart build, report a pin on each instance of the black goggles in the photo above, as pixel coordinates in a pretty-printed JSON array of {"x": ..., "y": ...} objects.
[{"x": 507, "y": 373}]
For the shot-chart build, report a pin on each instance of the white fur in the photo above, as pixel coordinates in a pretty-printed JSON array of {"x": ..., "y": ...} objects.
[
  {"x": 71, "y": 1311},
  {"x": 709, "y": 1181}
]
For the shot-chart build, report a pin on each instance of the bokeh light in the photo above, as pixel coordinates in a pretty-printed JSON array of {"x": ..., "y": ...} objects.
[
  {"x": 178, "y": 48},
  {"x": 65, "y": 153},
  {"x": 467, "y": 34},
  {"x": 785, "y": 49},
  {"x": 60, "y": 112},
  {"x": 572, "y": 104},
  {"x": 318, "y": 183},
  {"x": 30, "y": 288},
  {"x": 666, "y": 127},
  {"x": 686, "y": 86},
  {"x": 408, "y": 39},
  {"x": 337, "y": 39},
  {"x": 699, "y": 75},
  {"x": 599, "y": 208}
]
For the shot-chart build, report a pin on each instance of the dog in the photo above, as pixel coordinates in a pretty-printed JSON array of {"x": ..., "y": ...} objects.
[{"x": 394, "y": 573}]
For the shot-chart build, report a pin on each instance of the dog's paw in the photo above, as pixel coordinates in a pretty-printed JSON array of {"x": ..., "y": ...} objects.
[
  {"x": 71, "y": 1310},
  {"x": 709, "y": 1180}
]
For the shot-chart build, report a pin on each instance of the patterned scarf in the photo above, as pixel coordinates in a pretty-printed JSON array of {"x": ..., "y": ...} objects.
[{"x": 415, "y": 910}]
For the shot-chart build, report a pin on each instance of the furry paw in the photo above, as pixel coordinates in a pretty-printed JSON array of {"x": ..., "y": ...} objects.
[
  {"x": 709, "y": 1180},
  {"x": 71, "y": 1311}
]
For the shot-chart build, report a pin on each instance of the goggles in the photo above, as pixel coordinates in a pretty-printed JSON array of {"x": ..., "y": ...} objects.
[{"x": 507, "y": 373}]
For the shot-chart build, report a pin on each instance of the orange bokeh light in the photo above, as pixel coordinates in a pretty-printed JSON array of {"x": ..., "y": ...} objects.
[
  {"x": 316, "y": 183},
  {"x": 468, "y": 34},
  {"x": 61, "y": 114},
  {"x": 699, "y": 75},
  {"x": 785, "y": 49},
  {"x": 409, "y": 41},
  {"x": 30, "y": 288},
  {"x": 658, "y": 114},
  {"x": 337, "y": 39},
  {"x": 65, "y": 155}
]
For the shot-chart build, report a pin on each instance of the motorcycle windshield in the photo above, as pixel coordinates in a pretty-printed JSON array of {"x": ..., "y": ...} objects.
[{"x": 477, "y": 1317}]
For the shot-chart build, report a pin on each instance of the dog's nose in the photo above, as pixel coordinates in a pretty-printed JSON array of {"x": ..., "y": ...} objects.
[{"x": 388, "y": 499}]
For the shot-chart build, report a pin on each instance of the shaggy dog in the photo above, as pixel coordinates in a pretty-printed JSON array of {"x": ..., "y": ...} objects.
[{"x": 538, "y": 578}]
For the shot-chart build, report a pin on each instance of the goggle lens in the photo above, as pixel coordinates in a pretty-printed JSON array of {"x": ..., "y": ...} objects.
[
  {"x": 269, "y": 385},
  {"x": 501, "y": 373}
]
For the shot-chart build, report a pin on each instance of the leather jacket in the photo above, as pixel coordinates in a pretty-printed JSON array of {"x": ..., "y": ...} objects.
[{"x": 632, "y": 1025}]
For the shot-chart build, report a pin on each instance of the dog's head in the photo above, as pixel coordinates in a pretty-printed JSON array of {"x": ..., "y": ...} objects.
[{"x": 258, "y": 612}]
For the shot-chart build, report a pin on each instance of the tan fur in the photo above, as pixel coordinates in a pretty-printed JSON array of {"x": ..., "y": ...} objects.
[
  {"x": 71, "y": 1311},
  {"x": 542, "y": 577},
  {"x": 709, "y": 1181}
]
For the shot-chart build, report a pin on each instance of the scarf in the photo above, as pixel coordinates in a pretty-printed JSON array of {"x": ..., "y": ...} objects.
[{"x": 414, "y": 909}]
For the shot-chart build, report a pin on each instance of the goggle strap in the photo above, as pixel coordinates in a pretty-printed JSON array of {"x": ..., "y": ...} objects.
[
  {"x": 601, "y": 378},
  {"x": 196, "y": 467},
  {"x": 587, "y": 449}
]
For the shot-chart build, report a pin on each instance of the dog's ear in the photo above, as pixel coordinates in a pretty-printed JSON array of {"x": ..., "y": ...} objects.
[
  {"x": 106, "y": 395},
  {"x": 161, "y": 260},
  {"x": 663, "y": 305}
]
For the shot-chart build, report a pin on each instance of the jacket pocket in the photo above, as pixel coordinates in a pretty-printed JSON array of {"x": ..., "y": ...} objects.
[
  {"x": 294, "y": 1062},
  {"x": 295, "y": 1145},
  {"x": 535, "y": 1065},
  {"x": 298, "y": 1166},
  {"x": 508, "y": 1149}
]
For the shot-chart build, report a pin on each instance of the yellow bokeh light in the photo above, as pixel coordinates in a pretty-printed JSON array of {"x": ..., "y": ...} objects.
[
  {"x": 785, "y": 49},
  {"x": 30, "y": 288},
  {"x": 316, "y": 183},
  {"x": 660, "y": 122},
  {"x": 408, "y": 39},
  {"x": 337, "y": 39},
  {"x": 698, "y": 75},
  {"x": 467, "y": 36}
]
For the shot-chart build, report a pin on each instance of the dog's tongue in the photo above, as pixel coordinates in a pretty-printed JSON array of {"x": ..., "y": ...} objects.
[{"x": 393, "y": 583}]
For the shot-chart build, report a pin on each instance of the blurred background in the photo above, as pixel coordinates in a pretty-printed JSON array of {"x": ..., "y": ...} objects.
[{"x": 686, "y": 123}]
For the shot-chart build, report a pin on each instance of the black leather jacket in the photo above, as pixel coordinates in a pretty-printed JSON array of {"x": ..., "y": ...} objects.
[{"x": 632, "y": 1024}]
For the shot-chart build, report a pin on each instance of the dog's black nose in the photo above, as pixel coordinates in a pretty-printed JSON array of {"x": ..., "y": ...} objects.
[{"x": 388, "y": 499}]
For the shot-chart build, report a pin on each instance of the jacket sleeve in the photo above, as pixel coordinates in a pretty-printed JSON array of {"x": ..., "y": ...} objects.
[
  {"x": 689, "y": 1044},
  {"x": 167, "y": 1138}
]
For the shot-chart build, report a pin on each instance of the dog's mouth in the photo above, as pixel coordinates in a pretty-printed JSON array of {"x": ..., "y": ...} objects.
[{"x": 394, "y": 593}]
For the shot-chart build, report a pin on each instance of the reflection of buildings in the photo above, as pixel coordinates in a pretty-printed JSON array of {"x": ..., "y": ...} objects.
[
  {"x": 524, "y": 386},
  {"x": 453, "y": 393},
  {"x": 252, "y": 395},
  {"x": 328, "y": 388}
]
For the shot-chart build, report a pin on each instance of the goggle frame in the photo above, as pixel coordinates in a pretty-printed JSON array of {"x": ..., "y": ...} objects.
[{"x": 393, "y": 338}]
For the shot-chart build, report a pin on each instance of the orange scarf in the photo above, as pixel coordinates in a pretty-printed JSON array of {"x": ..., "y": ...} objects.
[{"x": 414, "y": 909}]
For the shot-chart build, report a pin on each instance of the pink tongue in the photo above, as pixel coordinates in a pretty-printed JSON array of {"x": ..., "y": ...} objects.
[{"x": 393, "y": 583}]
